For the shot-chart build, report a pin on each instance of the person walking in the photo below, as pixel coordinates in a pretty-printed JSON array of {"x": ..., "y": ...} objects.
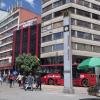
[
  {"x": 10, "y": 78},
  {"x": 38, "y": 80},
  {"x": 1, "y": 80},
  {"x": 19, "y": 78},
  {"x": 30, "y": 79}
]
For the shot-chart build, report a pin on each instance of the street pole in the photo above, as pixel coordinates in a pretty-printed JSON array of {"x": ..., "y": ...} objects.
[{"x": 68, "y": 85}]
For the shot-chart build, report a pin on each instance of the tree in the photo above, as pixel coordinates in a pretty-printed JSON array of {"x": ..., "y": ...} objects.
[{"x": 27, "y": 63}]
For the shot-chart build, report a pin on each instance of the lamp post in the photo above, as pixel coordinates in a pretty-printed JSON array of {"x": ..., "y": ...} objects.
[{"x": 68, "y": 85}]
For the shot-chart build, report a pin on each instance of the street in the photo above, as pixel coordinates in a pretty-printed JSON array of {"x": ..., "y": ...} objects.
[{"x": 47, "y": 93}]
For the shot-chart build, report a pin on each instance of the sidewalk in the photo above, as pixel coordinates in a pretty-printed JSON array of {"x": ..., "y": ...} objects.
[
  {"x": 59, "y": 89},
  {"x": 80, "y": 92},
  {"x": 48, "y": 91}
]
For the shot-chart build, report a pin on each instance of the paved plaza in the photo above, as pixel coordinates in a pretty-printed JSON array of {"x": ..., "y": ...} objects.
[{"x": 47, "y": 93}]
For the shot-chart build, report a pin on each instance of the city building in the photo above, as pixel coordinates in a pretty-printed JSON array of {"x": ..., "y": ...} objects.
[
  {"x": 9, "y": 24},
  {"x": 26, "y": 40},
  {"x": 84, "y": 18}
]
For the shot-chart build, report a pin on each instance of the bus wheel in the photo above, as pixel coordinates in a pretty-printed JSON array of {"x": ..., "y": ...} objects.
[
  {"x": 85, "y": 83},
  {"x": 50, "y": 81}
]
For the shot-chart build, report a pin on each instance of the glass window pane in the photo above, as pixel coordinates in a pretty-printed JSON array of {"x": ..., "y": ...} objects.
[
  {"x": 84, "y": 35},
  {"x": 58, "y": 47},
  {"x": 58, "y": 35}
]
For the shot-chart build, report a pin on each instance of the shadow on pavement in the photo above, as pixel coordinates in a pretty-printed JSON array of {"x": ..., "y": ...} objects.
[{"x": 90, "y": 99}]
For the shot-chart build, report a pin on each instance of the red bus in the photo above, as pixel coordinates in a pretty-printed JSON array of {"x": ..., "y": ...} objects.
[{"x": 80, "y": 77}]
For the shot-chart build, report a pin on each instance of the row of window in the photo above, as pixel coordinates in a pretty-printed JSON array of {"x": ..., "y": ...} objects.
[
  {"x": 78, "y": 22},
  {"x": 72, "y": 10},
  {"x": 51, "y": 48},
  {"x": 9, "y": 19},
  {"x": 54, "y": 5},
  {"x": 52, "y": 60},
  {"x": 4, "y": 62},
  {"x": 85, "y": 24},
  {"x": 74, "y": 33},
  {"x": 54, "y": 25},
  {"x": 85, "y": 47},
  {"x": 7, "y": 40},
  {"x": 62, "y": 2},
  {"x": 86, "y": 14},
  {"x": 76, "y": 46},
  {"x": 9, "y": 46},
  {"x": 85, "y": 35},
  {"x": 9, "y": 53},
  {"x": 51, "y": 37},
  {"x": 11, "y": 24}
]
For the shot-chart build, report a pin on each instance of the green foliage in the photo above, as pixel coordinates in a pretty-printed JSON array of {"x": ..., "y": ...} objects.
[
  {"x": 93, "y": 89},
  {"x": 27, "y": 63}
]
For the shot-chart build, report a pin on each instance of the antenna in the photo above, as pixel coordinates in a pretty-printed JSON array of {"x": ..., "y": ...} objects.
[
  {"x": 17, "y": 3},
  {"x": 0, "y": 4},
  {"x": 21, "y": 3}
]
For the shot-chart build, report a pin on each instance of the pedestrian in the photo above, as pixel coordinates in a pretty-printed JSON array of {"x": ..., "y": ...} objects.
[
  {"x": 24, "y": 80},
  {"x": 1, "y": 80},
  {"x": 10, "y": 78},
  {"x": 13, "y": 79},
  {"x": 38, "y": 81},
  {"x": 30, "y": 79},
  {"x": 19, "y": 79}
]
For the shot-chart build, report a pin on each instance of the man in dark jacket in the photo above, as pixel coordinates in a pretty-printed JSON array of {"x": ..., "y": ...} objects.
[{"x": 38, "y": 80}]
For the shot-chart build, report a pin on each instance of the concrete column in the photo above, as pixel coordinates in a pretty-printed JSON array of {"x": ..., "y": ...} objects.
[{"x": 68, "y": 85}]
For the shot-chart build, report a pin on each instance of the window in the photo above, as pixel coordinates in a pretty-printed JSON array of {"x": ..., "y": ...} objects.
[
  {"x": 44, "y": 1},
  {"x": 73, "y": 33},
  {"x": 96, "y": 27},
  {"x": 47, "y": 8},
  {"x": 84, "y": 35},
  {"x": 46, "y": 18},
  {"x": 46, "y": 28},
  {"x": 95, "y": 16},
  {"x": 58, "y": 35},
  {"x": 83, "y": 24},
  {"x": 84, "y": 47},
  {"x": 96, "y": 7},
  {"x": 52, "y": 60},
  {"x": 73, "y": 45},
  {"x": 57, "y": 4},
  {"x": 83, "y": 13},
  {"x": 47, "y": 49},
  {"x": 96, "y": 49},
  {"x": 47, "y": 38},
  {"x": 58, "y": 47},
  {"x": 58, "y": 24},
  {"x": 57, "y": 14},
  {"x": 83, "y": 3},
  {"x": 96, "y": 37},
  {"x": 72, "y": 21}
]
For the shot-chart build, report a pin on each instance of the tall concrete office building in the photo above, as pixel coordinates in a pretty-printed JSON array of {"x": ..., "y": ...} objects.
[{"x": 84, "y": 17}]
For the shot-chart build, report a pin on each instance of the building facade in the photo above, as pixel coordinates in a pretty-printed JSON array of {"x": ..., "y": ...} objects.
[
  {"x": 10, "y": 23},
  {"x": 26, "y": 40},
  {"x": 84, "y": 17}
]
